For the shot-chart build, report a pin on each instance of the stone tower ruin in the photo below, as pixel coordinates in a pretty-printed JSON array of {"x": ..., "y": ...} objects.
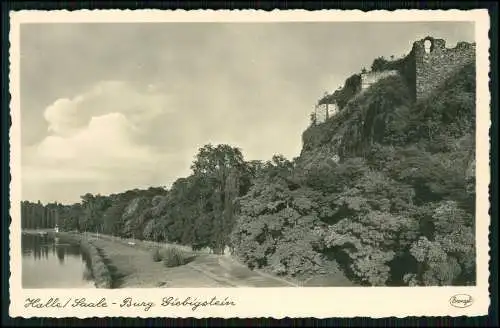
[{"x": 434, "y": 63}]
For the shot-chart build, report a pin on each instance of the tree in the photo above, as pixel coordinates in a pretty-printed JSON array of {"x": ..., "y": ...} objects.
[
  {"x": 447, "y": 255},
  {"x": 277, "y": 226},
  {"x": 93, "y": 211},
  {"x": 223, "y": 175},
  {"x": 372, "y": 224}
]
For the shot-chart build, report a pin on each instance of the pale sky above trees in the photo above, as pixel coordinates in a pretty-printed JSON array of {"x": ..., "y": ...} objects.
[{"x": 110, "y": 107}]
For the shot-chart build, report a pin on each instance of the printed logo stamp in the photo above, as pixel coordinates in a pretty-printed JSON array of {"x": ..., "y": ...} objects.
[{"x": 461, "y": 300}]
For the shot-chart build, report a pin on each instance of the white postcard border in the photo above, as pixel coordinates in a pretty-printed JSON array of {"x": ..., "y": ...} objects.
[{"x": 278, "y": 303}]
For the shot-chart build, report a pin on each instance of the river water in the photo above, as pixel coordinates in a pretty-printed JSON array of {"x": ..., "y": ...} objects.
[{"x": 48, "y": 262}]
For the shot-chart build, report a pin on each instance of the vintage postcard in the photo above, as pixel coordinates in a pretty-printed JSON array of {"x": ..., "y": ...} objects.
[{"x": 249, "y": 163}]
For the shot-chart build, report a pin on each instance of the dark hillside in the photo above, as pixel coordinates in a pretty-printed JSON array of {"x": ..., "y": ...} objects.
[{"x": 364, "y": 120}]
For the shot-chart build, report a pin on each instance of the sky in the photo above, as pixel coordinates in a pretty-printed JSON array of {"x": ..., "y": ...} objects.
[{"x": 110, "y": 107}]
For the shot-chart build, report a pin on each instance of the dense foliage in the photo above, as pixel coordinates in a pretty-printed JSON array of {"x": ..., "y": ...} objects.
[
  {"x": 382, "y": 64},
  {"x": 342, "y": 96},
  {"x": 404, "y": 192},
  {"x": 383, "y": 193}
]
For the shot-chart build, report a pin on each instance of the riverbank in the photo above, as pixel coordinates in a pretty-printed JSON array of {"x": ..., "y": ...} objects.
[{"x": 132, "y": 265}]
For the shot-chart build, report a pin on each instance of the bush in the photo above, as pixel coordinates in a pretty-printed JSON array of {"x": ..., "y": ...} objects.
[
  {"x": 173, "y": 257},
  {"x": 156, "y": 255}
]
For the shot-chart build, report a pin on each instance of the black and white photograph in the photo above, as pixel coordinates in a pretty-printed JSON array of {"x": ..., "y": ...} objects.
[{"x": 223, "y": 154}]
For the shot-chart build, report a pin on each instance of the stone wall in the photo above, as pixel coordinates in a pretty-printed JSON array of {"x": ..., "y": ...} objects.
[
  {"x": 332, "y": 109},
  {"x": 320, "y": 112},
  {"x": 325, "y": 111},
  {"x": 367, "y": 79},
  {"x": 435, "y": 66}
]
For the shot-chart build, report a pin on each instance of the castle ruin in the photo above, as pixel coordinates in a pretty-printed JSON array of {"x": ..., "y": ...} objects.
[
  {"x": 427, "y": 66},
  {"x": 369, "y": 78},
  {"x": 434, "y": 63},
  {"x": 324, "y": 111}
]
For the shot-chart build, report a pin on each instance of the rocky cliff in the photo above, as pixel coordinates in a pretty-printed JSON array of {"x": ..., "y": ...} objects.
[{"x": 386, "y": 114}]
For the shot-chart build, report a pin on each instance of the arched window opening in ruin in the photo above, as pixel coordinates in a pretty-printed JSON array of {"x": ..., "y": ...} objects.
[{"x": 427, "y": 46}]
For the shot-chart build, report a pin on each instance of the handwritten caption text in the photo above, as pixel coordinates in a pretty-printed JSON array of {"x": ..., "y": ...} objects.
[{"x": 126, "y": 303}]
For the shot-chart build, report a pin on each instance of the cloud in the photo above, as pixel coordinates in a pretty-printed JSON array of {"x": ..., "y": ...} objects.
[
  {"x": 67, "y": 116},
  {"x": 94, "y": 138},
  {"x": 106, "y": 137}
]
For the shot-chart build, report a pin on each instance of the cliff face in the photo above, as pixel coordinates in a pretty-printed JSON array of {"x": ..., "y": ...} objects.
[
  {"x": 366, "y": 119},
  {"x": 387, "y": 114}
]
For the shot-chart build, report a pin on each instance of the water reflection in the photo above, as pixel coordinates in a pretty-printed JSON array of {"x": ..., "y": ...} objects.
[{"x": 51, "y": 263}]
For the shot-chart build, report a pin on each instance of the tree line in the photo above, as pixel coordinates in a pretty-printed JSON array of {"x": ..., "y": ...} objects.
[{"x": 39, "y": 216}]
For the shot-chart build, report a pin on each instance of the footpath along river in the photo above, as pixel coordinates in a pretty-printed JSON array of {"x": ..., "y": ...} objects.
[{"x": 132, "y": 266}]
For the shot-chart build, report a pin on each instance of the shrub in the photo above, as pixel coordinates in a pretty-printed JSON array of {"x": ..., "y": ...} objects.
[
  {"x": 173, "y": 257},
  {"x": 156, "y": 255}
]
